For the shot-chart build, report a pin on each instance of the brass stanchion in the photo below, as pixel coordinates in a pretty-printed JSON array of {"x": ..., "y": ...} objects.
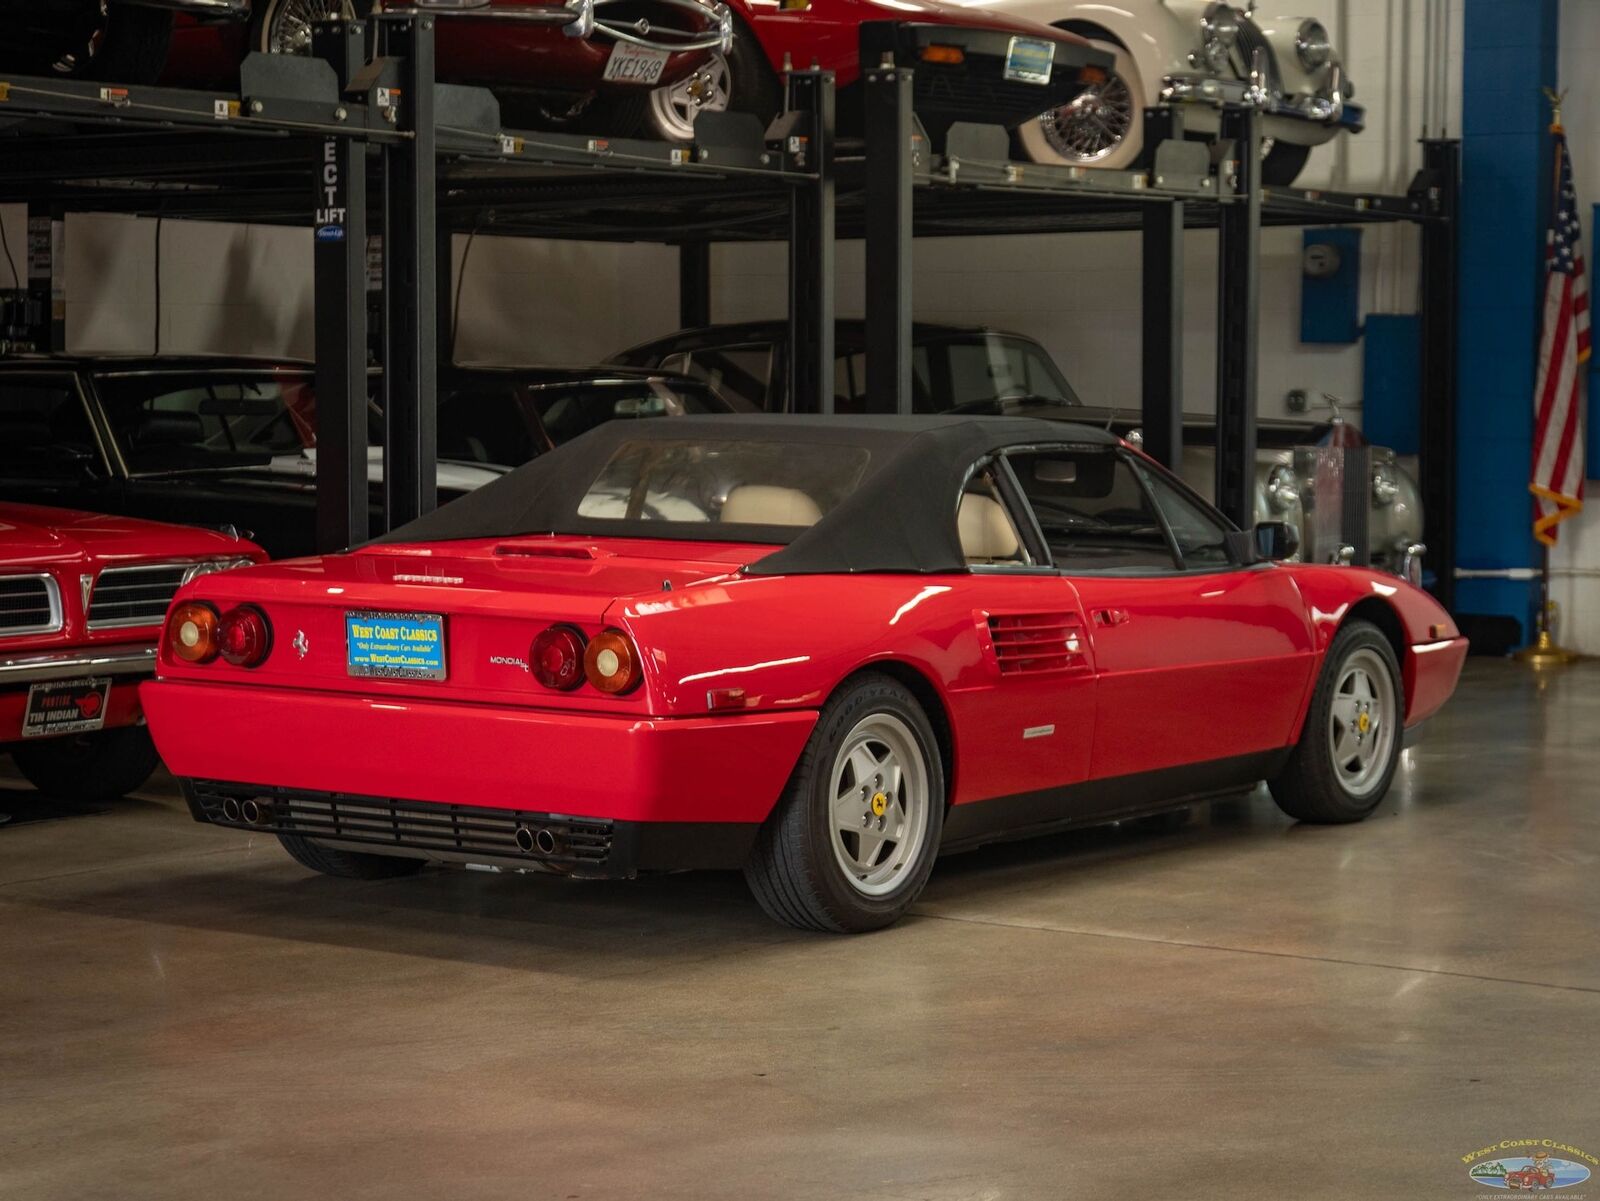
[{"x": 1544, "y": 652}]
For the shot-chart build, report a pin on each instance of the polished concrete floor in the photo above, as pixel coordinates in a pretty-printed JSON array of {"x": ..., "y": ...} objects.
[{"x": 1240, "y": 1008}]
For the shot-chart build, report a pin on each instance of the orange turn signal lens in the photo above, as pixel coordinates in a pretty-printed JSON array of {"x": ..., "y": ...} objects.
[
  {"x": 611, "y": 663},
  {"x": 952, "y": 56},
  {"x": 1092, "y": 75},
  {"x": 191, "y": 633}
]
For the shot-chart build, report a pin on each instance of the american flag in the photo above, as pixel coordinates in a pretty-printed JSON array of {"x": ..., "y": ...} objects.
[{"x": 1557, "y": 481}]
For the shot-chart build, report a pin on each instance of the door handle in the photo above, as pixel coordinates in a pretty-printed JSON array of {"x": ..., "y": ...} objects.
[{"x": 1110, "y": 617}]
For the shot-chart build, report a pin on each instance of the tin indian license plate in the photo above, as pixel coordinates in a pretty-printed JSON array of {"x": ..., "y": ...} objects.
[
  {"x": 395, "y": 646},
  {"x": 1030, "y": 60},
  {"x": 66, "y": 707}
]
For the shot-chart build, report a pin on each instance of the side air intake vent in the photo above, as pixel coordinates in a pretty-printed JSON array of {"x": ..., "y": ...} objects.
[{"x": 1036, "y": 643}]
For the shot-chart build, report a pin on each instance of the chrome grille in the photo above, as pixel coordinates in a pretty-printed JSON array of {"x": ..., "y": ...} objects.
[
  {"x": 29, "y": 604},
  {"x": 135, "y": 596}
]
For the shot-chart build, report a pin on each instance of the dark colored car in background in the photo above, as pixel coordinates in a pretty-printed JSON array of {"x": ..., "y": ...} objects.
[{"x": 234, "y": 439}]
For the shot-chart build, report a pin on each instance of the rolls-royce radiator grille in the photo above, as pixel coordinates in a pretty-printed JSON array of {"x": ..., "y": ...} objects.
[
  {"x": 29, "y": 604},
  {"x": 540, "y": 839},
  {"x": 134, "y": 596}
]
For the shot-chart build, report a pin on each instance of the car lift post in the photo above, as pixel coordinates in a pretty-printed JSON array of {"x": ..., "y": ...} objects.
[
  {"x": 694, "y": 285},
  {"x": 1162, "y": 303},
  {"x": 811, "y": 246},
  {"x": 340, "y": 286},
  {"x": 1238, "y": 318},
  {"x": 411, "y": 282},
  {"x": 889, "y": 129},
  {"x": 1441, "y": 161}
]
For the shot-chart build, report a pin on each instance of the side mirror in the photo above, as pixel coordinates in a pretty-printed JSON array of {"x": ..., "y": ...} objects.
[{"x": 1276, "y": 540}]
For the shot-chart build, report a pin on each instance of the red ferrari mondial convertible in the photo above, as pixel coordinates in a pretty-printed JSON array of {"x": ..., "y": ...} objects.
[{"x": 818, "y": 650}]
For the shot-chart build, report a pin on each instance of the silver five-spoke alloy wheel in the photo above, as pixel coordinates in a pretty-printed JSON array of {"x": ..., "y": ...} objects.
[
  {"x": 1362, "y": 722},
  {"x": 673, "y": 109},
  {"x": 880, "y": 792}
]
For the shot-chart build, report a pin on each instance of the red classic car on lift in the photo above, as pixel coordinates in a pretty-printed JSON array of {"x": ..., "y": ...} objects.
[
  {"x": 694, "y": 56},
  {"x": 819, "y": 650},
  {"x": 82, "y": 599}
]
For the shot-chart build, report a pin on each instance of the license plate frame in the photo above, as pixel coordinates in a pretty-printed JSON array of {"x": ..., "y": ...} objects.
[
  {"x": 640, "y": 66},
  {"x": 66, "y": 707},
  {"x": 377, "y": 648},
  {"x": 1030, "y": 60}
]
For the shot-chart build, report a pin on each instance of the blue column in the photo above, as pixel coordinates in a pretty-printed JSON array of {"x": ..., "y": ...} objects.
[{"x": 1510, "y": 54}]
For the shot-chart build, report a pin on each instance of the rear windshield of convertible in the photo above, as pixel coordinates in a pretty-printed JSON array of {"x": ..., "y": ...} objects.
[{"x": 732, "y": 482}]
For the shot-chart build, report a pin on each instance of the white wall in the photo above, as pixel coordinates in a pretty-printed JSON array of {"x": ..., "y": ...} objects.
[{"x": 1575, "y": 563}]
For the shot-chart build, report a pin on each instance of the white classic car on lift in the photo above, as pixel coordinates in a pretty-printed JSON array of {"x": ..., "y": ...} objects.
[{"x": 1201, "y": 55}]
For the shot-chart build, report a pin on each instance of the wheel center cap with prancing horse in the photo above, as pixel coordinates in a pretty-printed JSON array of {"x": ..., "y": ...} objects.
[
  {"x": 880, "y": 804},
  {"x": 1364, "y": 722}
]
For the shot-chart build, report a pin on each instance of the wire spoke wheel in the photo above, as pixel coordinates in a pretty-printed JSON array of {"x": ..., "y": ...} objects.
[
  {"x": 880, "y": 796},
  {"x": 1094, "y": 124},
  {"x": 1362, "y": 721},
  {"x": 709, "y": 89},
  {"x": 290, "y": 24}
]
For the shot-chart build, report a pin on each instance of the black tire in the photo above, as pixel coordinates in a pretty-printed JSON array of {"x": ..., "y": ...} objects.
[
  {"x": 752, "y": 88},
  {"x": 101, "y": 766},
  {"x": 348, "y": 865},
  {"x": 1311, "y": 787},
  {"x": 1283, "y": 164},
  {"x": 793, "y": 871},
  {"x": 129, "y": 44}
]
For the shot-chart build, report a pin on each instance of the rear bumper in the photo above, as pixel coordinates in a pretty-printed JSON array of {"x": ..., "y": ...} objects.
[
  {"x": 976, "y": 89},
  {"x": 589, "y": 848},
  {"x": 485, "y": 757}
]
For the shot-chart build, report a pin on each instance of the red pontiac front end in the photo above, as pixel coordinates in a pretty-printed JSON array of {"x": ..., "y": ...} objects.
[
  {"x": 81, "y": 603},
  {"x": 472, "y": 748}
]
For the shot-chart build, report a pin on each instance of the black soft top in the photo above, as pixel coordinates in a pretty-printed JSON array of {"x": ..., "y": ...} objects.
[{"x": 899, "y": 518}]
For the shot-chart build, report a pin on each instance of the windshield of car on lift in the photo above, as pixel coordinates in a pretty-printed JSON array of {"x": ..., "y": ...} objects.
[
  {"x": 966, "y": 372},
  {"x": 209, "y": 420},
  {"x": 786, "y": 484},
  {"x": 500, "y": 422}
]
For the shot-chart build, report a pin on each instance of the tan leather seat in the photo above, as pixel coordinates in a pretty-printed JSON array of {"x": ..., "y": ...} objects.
[
  {"x": 764, "y": 504},
  {"x": 987, "y": 535}
]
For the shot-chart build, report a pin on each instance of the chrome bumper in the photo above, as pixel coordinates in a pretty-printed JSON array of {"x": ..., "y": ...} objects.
[
  {"x": 584, "y": 19},
  {"x": 1330, "y": 109},
  {"x": 233, "y": 10},
  {"x": 43, "y": 667}
]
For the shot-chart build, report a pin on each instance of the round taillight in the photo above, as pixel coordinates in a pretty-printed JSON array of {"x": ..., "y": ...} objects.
[
  {"x": 611, "y": 663},
  {"x": 557, "y": 658},
  {"x": 243, "y": 636},
  {"x": 192, "y": 632}
]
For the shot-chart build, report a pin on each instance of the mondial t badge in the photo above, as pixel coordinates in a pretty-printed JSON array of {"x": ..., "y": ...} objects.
[{"x": 301, "y": 644}]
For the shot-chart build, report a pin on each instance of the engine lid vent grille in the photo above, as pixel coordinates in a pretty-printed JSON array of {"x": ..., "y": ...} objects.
[{"x": 1036, "y": 643}]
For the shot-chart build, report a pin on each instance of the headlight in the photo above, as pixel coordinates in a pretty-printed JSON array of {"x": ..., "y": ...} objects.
[
  {"x": 1385, "y": 487},
  {"x": 1283, "y": 488},
  {"x": 1219, "y": 30},
  {"x": 1311, "y": 43},
  {"x": 211, "y": 567}
]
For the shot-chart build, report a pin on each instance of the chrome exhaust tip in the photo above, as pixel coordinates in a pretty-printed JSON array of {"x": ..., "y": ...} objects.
[
  {"x": 525, "y": 839},
  {"x": 254, "y": 813},
  {"x": 545, "y": 841},
  {"x": 230, "y": 809}
]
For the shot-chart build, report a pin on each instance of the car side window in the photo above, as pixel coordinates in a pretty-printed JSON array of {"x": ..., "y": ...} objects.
[
  {"x": 741, "y": 372},
  {"x": 1202, "y": 540},
  {"x": 989, "y": 537},
  {"x": 44, "y": 432},
  {"x": 1093, "y": 511}
]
